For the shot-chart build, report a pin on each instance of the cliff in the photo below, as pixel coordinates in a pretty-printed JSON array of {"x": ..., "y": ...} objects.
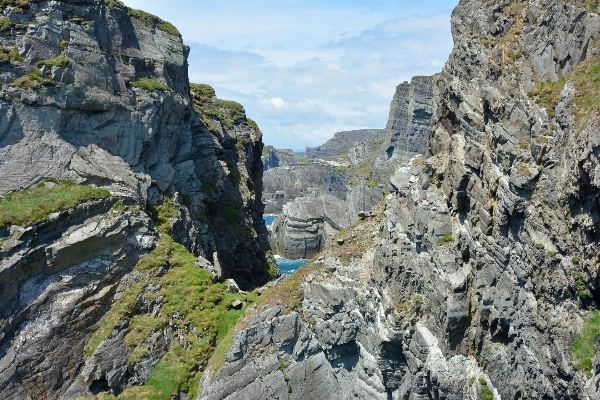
[
  {"x": 116, "y": 180},
  {"x": 273, "y": 158},
  {"x": 341, "y": 143},
  {"x": 478, "y": 277}
]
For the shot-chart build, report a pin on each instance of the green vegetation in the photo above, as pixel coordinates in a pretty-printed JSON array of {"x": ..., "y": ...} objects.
[
  {"x": 59, "y": 61},
  {"x": 486, "y": 393},
  {"x": 187, "y": 291},
  {"x": 539, "y": 245},
  {"x": 552, "y": 253},
  {"x": 575, "y": 260},
  {"x": 35, "y": 204},
  {"x": 32, "y": 80},
  {"x": 523, "y": 145},
  {"x": 586, "y": 79},
  {"x": 6, "y": 25},
  {"x": 153, "y": 20},
  {"x": 360, "y": 173},
  {"x": 270, "y": 268},
  {"x": 211, "y": 109},
  {"x": 8, "y": 55},
  {"x": 232, "y": 215},
  {"x": 583, "y": 349},
  {"x": 252, "y": 124},
  {"x": 151, "y": 85},
  {"x": 445, "y": 239},
  {"x": 22, "y": 4}
]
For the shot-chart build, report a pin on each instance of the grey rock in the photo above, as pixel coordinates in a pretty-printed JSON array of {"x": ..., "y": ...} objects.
[
  {"x": 341, "y": 143},
  {"x": 273, "y": 158}
]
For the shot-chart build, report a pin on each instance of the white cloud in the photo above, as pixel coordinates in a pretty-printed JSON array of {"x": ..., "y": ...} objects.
[
  {"x": 336, "y": 63},
  {"x": 277, "y": 102}
]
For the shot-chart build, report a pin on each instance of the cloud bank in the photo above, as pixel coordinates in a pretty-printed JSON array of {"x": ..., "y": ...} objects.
[{"x": 305, "y": 69}]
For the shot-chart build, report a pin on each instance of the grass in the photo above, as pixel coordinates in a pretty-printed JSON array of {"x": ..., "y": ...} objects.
[
  {"x": 445, "y": 239},
  {"x": 32, "y": 80},
  {"x": 35, "y": 204},
  {"x": 211, "y": 109},
  {"x": 8, "y": 55},
  {"x": 583, "y": 349},
  {"x": 575, "y": 260},
  {"x": 361, "y": 173},
  {"x": 252, "y": 124},
  {"x": 59, "y": 61},
  {"x": 22, "y": 4},
  {"x": 188, "y": 292},
  {"x": 486, "y": 393},
  {"x": 153, "y": 20},
  {"x": 151, "y": 85}
]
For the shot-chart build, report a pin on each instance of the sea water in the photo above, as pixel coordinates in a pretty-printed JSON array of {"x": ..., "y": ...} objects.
[{"x": 286, "y": 266}]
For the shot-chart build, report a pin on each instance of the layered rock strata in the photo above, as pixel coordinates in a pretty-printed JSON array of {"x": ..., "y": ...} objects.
[
  {"x": 97, "y": 93},
  {"x": 307, "y": 225},
  {"x": 482, "y": 274}
]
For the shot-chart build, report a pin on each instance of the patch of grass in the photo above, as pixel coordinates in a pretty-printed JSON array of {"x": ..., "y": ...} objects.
[
  {"x": 551, "y": 253},
  {"x": 252, "y": 124},
  {"x": 486, "y": 393},
  {"x": 523, "y": 170},
  {"x": 523, "y": 145},
  {"x": 270, "y": 268},
  {"x": 8, "y": 55},
  {"x": 445, "y": 239},
  {"x": 583, "y": 349},
  {"x": 575, "y": 260},
  {"x": 539, "y": 245},
  {"x": 210, "y": 109},
  {"x": 151, "y": 85},
  {"x": 161, "y": 214},
  {"x": 153, "y": 20},
  {"x": 32, "y": 80},
  {"x": 21, "y": 4},
  {"x": 35, "y": 204},
  {"x": 59, "y": 61},
  {"x": 191, "y": 302},
  {"x": 232, "y": 215}
]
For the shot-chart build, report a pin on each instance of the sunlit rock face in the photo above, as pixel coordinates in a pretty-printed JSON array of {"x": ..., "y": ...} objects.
[
  {"x": 95, "y": 93},
  {"x": 481, "y": 267}
]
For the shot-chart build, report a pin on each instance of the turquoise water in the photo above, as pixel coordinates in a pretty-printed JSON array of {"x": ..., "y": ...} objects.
[
  {"x": 269, "y": 218},
  {"x": 286, "y": 266}
]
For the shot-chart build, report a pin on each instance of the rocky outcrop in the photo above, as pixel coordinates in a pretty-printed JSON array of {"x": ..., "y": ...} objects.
[
  {"x": 307, "y": 225},
  {"x": 411, "y": 115},
  {"x": 284, "y": 184},
  {"x": 273, "y": 158},
  {"x": 341, "y": 142},
  {"x": 483, "y": 270},
  {"x": 98, "y": 93}
]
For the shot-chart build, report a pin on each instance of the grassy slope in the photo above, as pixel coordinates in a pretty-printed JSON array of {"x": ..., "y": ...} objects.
[
  {"x": 35, "y": 204},
  {"x": 203, "y": 306}
]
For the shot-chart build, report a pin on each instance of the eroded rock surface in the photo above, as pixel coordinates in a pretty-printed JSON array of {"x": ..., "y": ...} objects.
[
  {"x": 113, "y": 110},
  {"x": 483, "y": 265}
]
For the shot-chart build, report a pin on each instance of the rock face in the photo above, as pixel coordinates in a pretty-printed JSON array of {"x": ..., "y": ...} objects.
[
  {"x": 273, "y": 157},
  {"x": 307, "y": 225},
  {"x": 411, "y": 115},
  {"x": 341, "y": 142},
  {"x": 284, "y": 184},
  {"x": 109, "y": 104},
  {"x": 482, "y": 269}
]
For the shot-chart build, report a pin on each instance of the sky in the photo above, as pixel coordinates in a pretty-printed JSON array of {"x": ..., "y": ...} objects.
[{"x": 305, "y": 69}]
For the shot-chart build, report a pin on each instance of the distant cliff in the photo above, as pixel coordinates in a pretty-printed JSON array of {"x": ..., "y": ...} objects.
[
  {"x": 341, "y": 143},
  {"x": 273, "y": 158}
]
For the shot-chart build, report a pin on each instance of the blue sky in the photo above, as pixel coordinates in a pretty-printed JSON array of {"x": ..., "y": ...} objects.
[{"x": 306, "y": 69}]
